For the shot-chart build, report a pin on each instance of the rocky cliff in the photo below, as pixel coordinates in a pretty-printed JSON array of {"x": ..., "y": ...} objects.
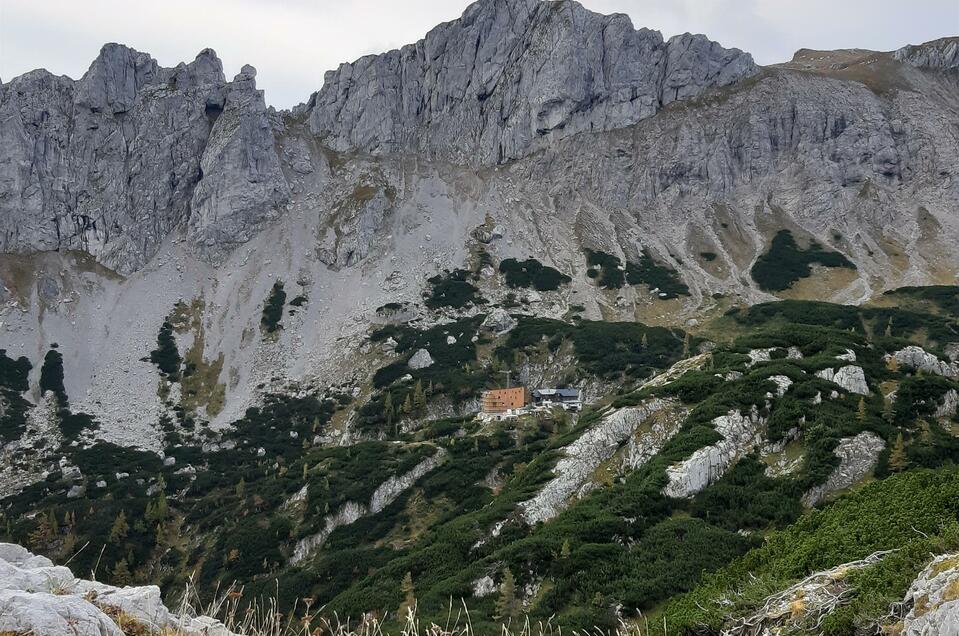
[
  {"x": 511, "y": 76},
  {"x": 110, "y": 164}
]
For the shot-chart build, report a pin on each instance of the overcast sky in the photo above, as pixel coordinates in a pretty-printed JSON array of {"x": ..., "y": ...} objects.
[{"x": 293, "y": 42}]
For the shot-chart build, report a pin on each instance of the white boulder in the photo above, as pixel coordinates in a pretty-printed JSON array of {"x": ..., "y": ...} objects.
[
  {"x": 933, "y": 600},
  {"x": 918, "y": 358},
  {"x": 857, "y": 457},
  {"x": 420, "y": 360},
  {"x": 849, "y": 377},
  {"x": 499, "y": 321},
  {"x": 40, "y": 599}
]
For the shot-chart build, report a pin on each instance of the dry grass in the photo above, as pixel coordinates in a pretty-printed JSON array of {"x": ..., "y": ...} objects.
[{"x": 265, "y": 619}]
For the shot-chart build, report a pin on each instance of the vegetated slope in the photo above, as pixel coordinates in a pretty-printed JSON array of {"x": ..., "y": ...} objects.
[
  {"x": 678, "y": 477},
  {"x": 913, "y": 515},
  {"x": 244, "y": 344}
]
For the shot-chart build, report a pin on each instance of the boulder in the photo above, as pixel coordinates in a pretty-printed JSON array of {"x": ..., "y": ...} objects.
[
  {"x": 933, "y": 599},
  {"x": 41, "y": 599},
  {"x": 918, "y": 358},
  {"x": 857, "y": 457},
  {"x": 44, "y": 614},
  {"x": 499, "y": 321},
  {"x": 421, "y": 360},
  {"x": 849, "y": 377}
]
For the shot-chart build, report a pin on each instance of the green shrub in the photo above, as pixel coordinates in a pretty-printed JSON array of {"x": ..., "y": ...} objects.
[
  {"x": 51, "y": 375},
  {"x": 532, "y": 273},
  {"x": 14, "y": 381},
  {"x": 606, "y": 269},
  {"x": 785, "y": 262},
  {"x": 452, "y": 289},
  {"x": 166, "y": 356},
  {"x": 911, "y": 512},
  {"x": 655, "y": 276},
  {"x": 273, "y": 309}
]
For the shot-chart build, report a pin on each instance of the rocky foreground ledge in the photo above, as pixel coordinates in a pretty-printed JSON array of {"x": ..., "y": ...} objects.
[{"x": 41, "y": 599}]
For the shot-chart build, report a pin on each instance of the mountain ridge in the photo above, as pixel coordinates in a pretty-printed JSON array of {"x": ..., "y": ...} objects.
[{"x": 247, "y": 345}]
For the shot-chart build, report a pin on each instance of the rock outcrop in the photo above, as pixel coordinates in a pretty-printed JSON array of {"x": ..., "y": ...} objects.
[
  {"x": 949, "y": 405},
  {"x": 385, "y": 494},
  {"x": 110, "y": 163},
  {"x": 933, "y": 600},
  {"x": 919, "y": 359},
  {"x": 857, "y": 457},
  {"x": 849, "y": 377},
  {"x": 938, "y": 55},
  {"x": 740, "y": 434},
  {"x": 242, "y": 185},
  {"x": 41, "y": 599},
  {"x": 801, "y": 608},
  {"x": 656, "y": 422},
  {"x": 511, "y": 76},
  {"x": 499, "y": 321}
]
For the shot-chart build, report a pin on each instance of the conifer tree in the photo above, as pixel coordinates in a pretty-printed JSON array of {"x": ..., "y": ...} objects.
[
  {"x": 121, "y": 573},
  {"x": 42, "y": 535},
  {"x": 897, "y": 456},
  {"x": 388, "y": 409},
  {"x": 419, "y": 399},
  {"x": 506, "y": 605},
  {"x": 409, "y": 598},
  {"x": 120, "y": 528}
]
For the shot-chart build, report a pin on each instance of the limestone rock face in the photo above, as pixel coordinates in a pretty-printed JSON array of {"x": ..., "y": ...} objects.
[
  {"x": 741, "y": 433},
  {"x": 849, "y": 377},
  {"x": 109, "y": 163},
  {"x": 510, "y": 76},
  {"x": 857, "y": 456},
  {"x": 932, "y": 599},
  {"x": 39, "y": 598},
  {"x": 939, "y": 55},
  {"x": 599, "y": 444},
  {"x": 242, "y": 183},
  {"x": 950, "y": 404}
]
